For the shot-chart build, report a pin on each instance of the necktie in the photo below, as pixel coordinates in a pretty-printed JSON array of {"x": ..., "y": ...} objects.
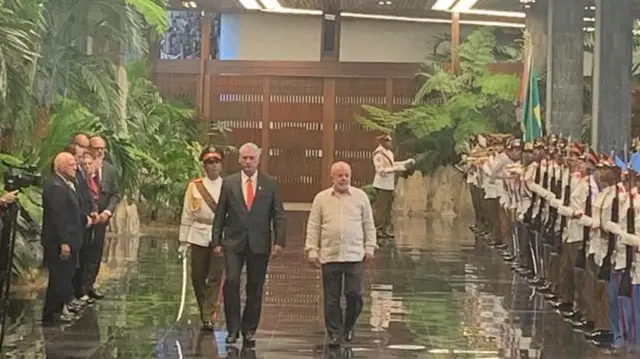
[
  {"x": 91, "y": 183},
  {"x": 250, "y": 194}
]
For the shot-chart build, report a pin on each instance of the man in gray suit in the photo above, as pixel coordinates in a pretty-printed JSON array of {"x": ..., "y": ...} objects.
[
  {"x": 106, "y": 177},
  {"x": 249, "y": 209}
]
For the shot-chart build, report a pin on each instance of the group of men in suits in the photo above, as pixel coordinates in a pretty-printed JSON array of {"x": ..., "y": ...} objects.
[
  {"x": 78, "y": 200},
  {"x": 566, "y": 218}
]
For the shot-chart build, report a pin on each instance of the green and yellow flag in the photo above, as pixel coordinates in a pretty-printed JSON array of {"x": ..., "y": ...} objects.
[{"x": 529, "y": 102}]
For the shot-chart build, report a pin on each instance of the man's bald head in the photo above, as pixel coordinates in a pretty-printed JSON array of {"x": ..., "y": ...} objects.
[
  {"x": 341, "y": 176},
  {"x": 65, "y": 165},
  {"x": 81, "y": 140}
]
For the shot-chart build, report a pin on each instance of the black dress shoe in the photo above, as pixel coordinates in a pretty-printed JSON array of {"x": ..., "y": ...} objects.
[
  {"x": 248, "y": 341},
  {"x": 232, "y": 338},
  {"x": 603, "y": 337},
  {"x": 598, "y": 333},
  {"x": 348, "y": 336},
  {"x": 57, "y": 319},
  {"x": 207, "y": 326},
  {"x": 585, "y": 327},
  {"x": 74, "y": 308},
  {"x": 334, "y": 341},
  {"x": 558, "y": 304},
  {"x": 570, "y": 315},
  {"x": 95, "y": 294},
  {"x": 564, "y": 308}
]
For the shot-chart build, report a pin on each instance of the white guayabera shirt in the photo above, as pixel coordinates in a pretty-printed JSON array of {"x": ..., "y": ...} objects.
[{"x": 340, "y": 228}]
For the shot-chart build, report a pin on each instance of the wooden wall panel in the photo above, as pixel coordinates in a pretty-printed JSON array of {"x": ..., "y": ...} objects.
[
  {"x": 236, "y": 102},
  {"x": 403, "y": 91},
  {"x": 353, "y": 143},
  {"x": 178, "y": 87},
  {"x": 302, "y": 114},
  {"x": 295, "y": 136}
]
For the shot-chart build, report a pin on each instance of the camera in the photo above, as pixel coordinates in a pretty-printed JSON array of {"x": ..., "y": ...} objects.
[{"x": 18, "y": 177}]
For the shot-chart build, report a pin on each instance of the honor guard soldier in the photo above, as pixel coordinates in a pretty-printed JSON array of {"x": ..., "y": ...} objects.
[
  {"x": 596, "y": 326},
  {"x": 495, "y": 194},
  {"x": 200, "y": 201},
  {"x": 609, "y": 214},
  {"x": 384, "y": 184},
  {"x": 479, "y": 154},
  {"x": 635, "y": 265},
  {"x": 572, "y": 304}
]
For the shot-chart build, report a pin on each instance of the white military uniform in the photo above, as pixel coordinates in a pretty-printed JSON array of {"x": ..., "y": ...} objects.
[{"x": 197, "y": 218}]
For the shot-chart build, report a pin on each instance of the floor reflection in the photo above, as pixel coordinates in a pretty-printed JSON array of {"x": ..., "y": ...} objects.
[{"x": 434, "y": 293}]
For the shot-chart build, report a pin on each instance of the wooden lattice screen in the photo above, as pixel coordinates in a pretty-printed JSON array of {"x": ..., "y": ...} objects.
[{"x": 303, "y": 115}]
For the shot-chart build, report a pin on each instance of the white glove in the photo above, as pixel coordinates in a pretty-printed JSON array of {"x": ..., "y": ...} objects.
[
  {"x": 411, "y": 161},
  {"x": 183, "y": 248}
]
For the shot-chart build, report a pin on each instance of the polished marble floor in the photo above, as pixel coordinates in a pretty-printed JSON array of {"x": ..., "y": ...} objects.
[{"x": 434, "y": 293}]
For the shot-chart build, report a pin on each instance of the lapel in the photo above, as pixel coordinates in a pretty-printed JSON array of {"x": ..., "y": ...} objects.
[
  {"x": 72, "y": 194},
  {"x": 237, "y": 190},
  {"x": 259, "y": 189}
]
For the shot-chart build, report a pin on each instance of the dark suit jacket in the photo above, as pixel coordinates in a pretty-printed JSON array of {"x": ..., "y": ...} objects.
[
  {"x": 63, "y": 219},
  {"x": 235, "y": 227},
  {"x": 86, "y": 200},
  {"x": 109, "y": 192}
]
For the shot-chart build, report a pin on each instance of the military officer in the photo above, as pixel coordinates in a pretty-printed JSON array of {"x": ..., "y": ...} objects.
[
  {"x": 200, "y": 201},
  {"x": 384, "y": 183}
]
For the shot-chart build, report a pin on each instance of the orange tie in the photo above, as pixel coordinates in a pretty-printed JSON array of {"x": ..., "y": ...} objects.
[{"x": 250, "y": 194}]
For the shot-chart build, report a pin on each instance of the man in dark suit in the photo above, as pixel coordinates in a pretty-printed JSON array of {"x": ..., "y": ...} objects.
[
  {"x": 248, "y": 210},
  {"x": 106, "y": 177},
  {"x": 88, "y": 205},
  {"x": 63, "y": 225}
]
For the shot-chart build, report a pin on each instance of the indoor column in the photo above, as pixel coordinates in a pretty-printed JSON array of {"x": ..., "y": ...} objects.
[
  {"x": 565, "y": 73},
  {"x": 612, "y": 74},
  {"x": 536, "y": 22}
]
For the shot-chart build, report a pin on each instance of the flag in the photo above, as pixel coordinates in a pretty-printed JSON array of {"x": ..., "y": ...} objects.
[{"x": 529, "y": 100}]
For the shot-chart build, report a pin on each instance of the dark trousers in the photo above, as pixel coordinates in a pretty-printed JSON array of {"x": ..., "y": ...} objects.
[
  {"x": 382, "y": 209},
  {"x": 206, "y": 278},
  {"x": 256, "y": 273},
  {"x": 91, "y": 256},
  {"x": 333, "y": 275},
  {"x": 59, "y": 287}
]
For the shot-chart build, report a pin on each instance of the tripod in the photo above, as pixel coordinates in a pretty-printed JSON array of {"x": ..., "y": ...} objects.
[{"x": 7, "y": 246}]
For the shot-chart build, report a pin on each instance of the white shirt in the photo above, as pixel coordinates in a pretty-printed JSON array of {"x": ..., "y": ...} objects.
[
  {"x": 254, "y": 183},
  {"x": 197, "y": 217},
  {"x": 385, "y": 167},
  {"x": 340, "y": 227}
]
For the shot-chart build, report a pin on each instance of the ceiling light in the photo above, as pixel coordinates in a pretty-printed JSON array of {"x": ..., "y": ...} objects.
[
  {"x": 396, "y": 18},
  {"x": 271, "y": 4},
  {"x": 492, "y": 23},
  {"x": 463, "y": 5},
  {"x": 515, "y": 14},
  {"x": 286, "y": 10},
  {"x": 443, "y": 4},
  {"x": 430, "y": 20},
  {"x": 250, "y": 4}
]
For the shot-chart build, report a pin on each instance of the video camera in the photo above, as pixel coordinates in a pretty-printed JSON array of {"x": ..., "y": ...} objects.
[
  {"x": 15, "y": 178},
  {"x": 18, "y": 177}
]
